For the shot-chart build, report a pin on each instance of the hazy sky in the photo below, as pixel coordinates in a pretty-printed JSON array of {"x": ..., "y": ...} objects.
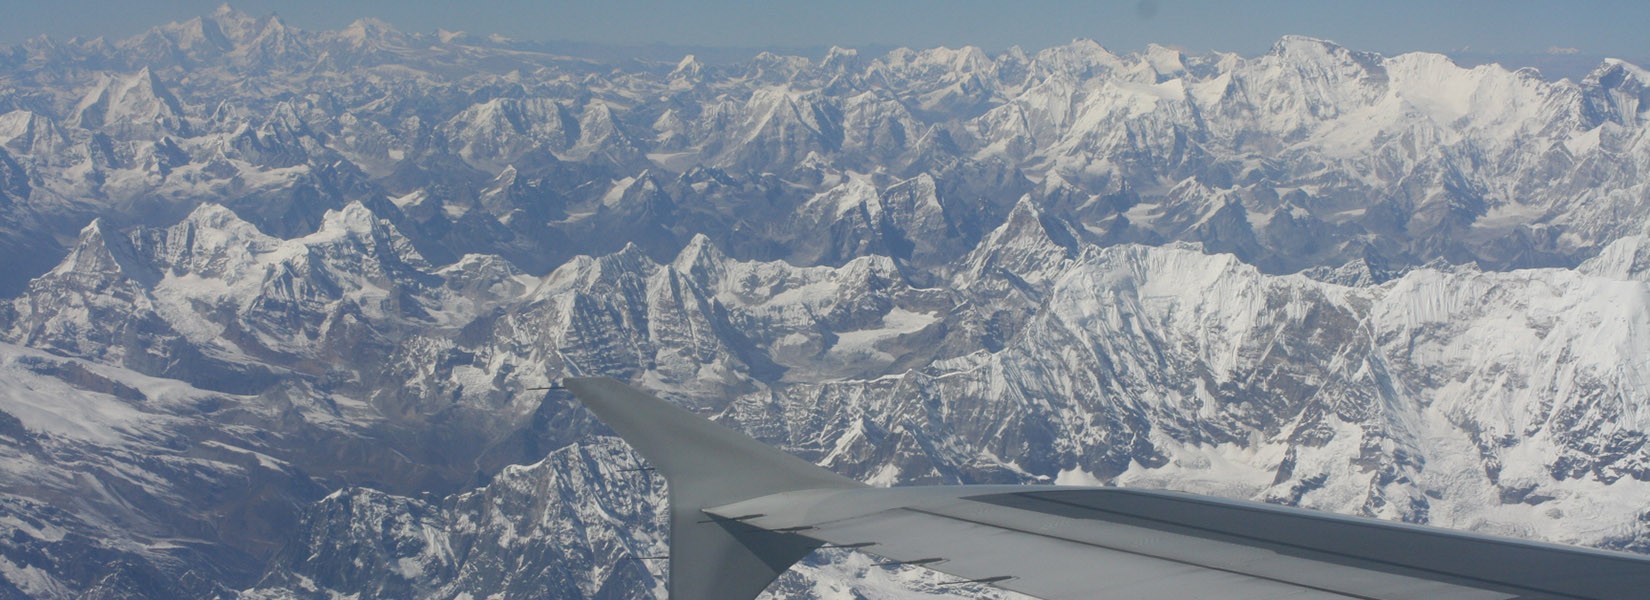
[{"x": 1611, "y": 27}]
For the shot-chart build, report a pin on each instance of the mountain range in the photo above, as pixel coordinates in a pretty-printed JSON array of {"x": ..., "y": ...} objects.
[{"x": 274, "y": 301}]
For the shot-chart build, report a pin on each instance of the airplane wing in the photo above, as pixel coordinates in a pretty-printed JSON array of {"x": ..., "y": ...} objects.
[
  {"x": 1058, "y": 542},
  {"x": 743, "y": 512}
]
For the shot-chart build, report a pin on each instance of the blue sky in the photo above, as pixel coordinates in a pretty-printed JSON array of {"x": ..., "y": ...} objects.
[{"x": 1609, "y": 27}]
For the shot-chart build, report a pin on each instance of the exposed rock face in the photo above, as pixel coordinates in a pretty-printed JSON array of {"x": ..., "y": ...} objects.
[{"x": 273, "y": 298}]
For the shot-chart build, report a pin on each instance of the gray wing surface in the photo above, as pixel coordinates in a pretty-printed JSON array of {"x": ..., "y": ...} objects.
[{"x": 743, "y": 512}]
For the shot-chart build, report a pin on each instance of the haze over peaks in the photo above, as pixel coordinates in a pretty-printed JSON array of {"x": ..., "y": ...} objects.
[{"x": 1517, "y": 33}]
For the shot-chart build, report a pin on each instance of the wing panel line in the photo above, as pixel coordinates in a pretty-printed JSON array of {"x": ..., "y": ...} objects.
[{"x": 1091, "y": 544}]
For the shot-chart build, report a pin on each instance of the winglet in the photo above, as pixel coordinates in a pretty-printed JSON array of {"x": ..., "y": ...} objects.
[{"x": 709, "y": 465}]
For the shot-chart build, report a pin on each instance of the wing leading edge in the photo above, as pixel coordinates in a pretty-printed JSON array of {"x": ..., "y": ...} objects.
[{"x": 1056, "y": 542}]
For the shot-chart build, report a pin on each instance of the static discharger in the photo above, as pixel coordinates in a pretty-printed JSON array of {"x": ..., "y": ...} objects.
[
  {"x": 980, "y": 580},
  {"x": 850, "y": 546},
  {"x": 917, "y": 562},
  {"x": 716, "y": 519}
]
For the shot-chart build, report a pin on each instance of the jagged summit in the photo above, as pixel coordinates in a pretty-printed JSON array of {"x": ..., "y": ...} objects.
[{"x": 1292, "y": 41}]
